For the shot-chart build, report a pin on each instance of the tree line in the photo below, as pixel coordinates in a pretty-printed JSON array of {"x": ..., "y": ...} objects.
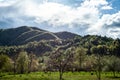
[{"x": 73, "y": 59}]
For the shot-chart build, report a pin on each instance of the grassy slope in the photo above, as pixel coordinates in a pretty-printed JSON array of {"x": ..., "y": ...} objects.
[{"x": 55, "y": 76}]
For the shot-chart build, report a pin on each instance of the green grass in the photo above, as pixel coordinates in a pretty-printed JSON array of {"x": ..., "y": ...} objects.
[{"x": 55, "y": 76}]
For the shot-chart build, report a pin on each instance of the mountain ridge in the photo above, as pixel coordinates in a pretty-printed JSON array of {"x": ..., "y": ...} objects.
[{"x": 24, "y": 34}]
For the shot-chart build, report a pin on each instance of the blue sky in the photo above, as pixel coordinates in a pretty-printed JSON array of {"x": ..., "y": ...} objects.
[{"x": 96, "y": 17}]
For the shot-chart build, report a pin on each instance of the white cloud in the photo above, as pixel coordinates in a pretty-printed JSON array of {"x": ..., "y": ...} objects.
[
  {"x": 94, "y": 3},
  {"x": 58, "y": 14},
  {"x": 107, "y": 7},
  {"x": 113, "y": 32},
  {"x": 108, "y": 25},
  {"x": 4, "y": 3},
  {"x": 85, "y": 18}
]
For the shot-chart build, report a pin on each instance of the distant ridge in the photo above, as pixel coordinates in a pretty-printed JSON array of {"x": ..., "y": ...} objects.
[{"x": 25, "y": 34}]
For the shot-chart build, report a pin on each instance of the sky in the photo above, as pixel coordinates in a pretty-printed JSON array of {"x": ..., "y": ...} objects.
[{"x": 94, "y": 17}]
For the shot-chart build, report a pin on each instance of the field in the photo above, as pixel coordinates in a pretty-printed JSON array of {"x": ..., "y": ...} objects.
[{"x": 55, "y": 76}]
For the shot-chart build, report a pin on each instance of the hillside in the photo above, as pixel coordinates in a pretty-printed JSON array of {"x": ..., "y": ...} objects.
[
  {"x": 24, "y": 34},
  {"x": 38, "y": 41}
]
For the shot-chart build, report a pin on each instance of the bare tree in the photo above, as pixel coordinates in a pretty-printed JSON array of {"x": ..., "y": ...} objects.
[
  {"x": 99, "y": 51},
  {"x": 33, "y": 62},
  {"x": 60, "y": 60},
  {"x": 31, "y": 57}
]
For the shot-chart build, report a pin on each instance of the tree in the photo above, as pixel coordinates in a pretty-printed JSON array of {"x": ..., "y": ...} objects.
[
  {"x": 14, "y": 63},
  {"x": 89, "y": 62},
  {"x": 5, "y": 63},
  {"x": 115, "y": 48},
  {"x": 98, "y": 66},
  {"x": 113, "y": 64},
  {"x": 80, "y": 57},
  {"x": 60, "y": 60},
  {"x": 22, "y": 62},
  {"x": 99, "y": 51},
  {"x": 33, "y": 62}
]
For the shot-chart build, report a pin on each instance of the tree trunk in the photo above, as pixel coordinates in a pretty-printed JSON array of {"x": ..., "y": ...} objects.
[
  {"x": 99, "y": 75},
  {"x": 14, "y": 68},
  {"x": 29, "y": 66},
  {"x": 60, "y": 74},
  {"x": 114, "y": 74},
  {"x": 98, "y": 72},
  {"x": 80, "y": 62},
  {"x": 22, "y": 69}
]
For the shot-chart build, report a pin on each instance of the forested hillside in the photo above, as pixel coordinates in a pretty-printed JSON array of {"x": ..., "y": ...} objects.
[{"x": 40, "y": 41}]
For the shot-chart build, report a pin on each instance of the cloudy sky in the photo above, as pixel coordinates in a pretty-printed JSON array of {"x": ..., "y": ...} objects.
[{"x": 101, "y": 17}]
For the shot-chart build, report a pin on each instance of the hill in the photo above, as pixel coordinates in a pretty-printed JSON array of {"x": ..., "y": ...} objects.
[
  {"x": 38, "y": 41},
  {"x": 24, "y": 34}
]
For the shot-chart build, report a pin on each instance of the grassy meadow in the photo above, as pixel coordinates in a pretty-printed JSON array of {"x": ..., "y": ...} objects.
[{"x": 55, "y": 76}]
